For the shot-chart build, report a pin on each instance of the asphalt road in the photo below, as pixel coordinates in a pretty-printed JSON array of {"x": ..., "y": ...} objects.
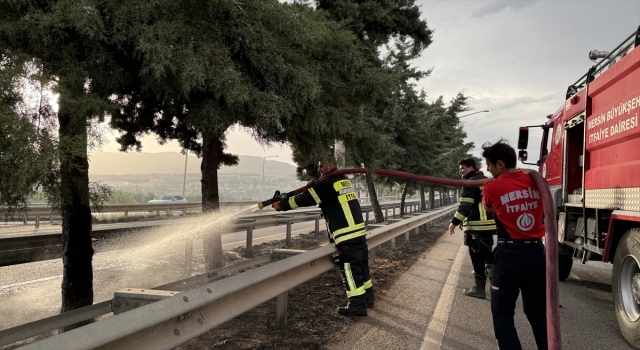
[
  {"x": 587, "y": 318},
  {"x": 29, "y": 292},
  {"x": 425, "y": 309}
]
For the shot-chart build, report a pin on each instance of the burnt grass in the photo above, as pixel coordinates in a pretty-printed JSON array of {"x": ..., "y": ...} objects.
[{"x": 312, "y": 316}]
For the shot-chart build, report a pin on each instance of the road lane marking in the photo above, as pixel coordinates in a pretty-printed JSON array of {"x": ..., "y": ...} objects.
[
  {"x": 8, "y": 286},
  {"x": 435, "y": 331},
  {"x": 44, "y": 279}
]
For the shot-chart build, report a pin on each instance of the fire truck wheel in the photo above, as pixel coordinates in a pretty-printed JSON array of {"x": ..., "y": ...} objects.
[
  {"x": 625, "y": 284},
  {"x": 565, "y": 263}
]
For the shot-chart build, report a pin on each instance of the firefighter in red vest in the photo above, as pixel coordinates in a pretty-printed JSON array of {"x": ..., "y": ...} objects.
[
  {"x": 519, "y": 257},
  {"x": 345, "y": 225}
]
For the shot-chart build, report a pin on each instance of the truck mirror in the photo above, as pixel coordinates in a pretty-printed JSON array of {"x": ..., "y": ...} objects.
[
  {"x": 523, "y": 138},
  {"x": 522, "y": 155}
]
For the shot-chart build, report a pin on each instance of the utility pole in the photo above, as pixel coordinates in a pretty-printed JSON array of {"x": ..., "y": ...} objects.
[{"x": 184, "y": 182}]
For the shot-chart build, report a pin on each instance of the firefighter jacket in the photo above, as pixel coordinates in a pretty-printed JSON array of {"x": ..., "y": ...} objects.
[
  {"x": 340, "y": 207},
  {"x": 471, "y": 212}
]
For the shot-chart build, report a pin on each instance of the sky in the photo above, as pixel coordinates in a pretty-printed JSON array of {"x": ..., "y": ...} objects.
[{"x": 513, "y": 58}]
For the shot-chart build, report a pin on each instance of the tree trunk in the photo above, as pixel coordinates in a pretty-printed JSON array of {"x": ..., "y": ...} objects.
[
  {"x": 212, "y": 241},
  {"x": 404, "y": 195},
  {"x": 77, "y": 252},
  {"x": 432, "y": 200},
  {"x": 423, "y": 204},
  {"x": 373, "y": 197}
]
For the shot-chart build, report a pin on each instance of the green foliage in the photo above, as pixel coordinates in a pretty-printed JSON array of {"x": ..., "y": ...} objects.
[
  {"x": 449, "y": 137},
  {"x": 27, "y": 150},
  {"x": 227, "y": 64},
  {"x": 121, "y": 197},
  {"x": 376, "y": 21},
  {"x": 366, "y": 125},
  {"x": 24, "y": 160}
]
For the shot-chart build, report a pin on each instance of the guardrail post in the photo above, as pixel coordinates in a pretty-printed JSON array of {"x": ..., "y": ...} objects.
[
  {"x": 406, "y": 236},
  {"x": 37, "y": 220},
  {"x": 366, "y": 221},
  {"x": 392, "y": 243},
  {"x": 372, "y": 256},
  {"x": 188, "y": 256},
  {"x": 386, "y": 212},
  {"x": 317, "y": 228},
  {"x": 24, "y": 218},
  {"x": 126, "y": 213},
  {"x": 288, "y": 233},
  {"x": 157, "y": 212},
  {"x": 249, "y": 246},
  {"x": 281, "y": 311}
]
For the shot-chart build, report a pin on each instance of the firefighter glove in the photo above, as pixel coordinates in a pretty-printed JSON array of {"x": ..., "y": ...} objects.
[
  {"x": 472, "y": 240},
  {"x": 276, "y": 206},
  {"x": 488, "y": 269},
  {"x": 336, "y": 256}
]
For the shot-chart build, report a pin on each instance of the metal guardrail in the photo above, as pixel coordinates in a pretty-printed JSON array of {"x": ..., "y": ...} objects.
[
  {"x": 35, "y": 328},
  {"x": 21, "y": 249},
  {"x": 167, "y": 323},
  {"x": 43, "y": 210},
  {"x": 273, "y": 218}
]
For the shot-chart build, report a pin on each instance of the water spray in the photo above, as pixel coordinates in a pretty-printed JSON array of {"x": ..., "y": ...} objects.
[{"x": 553, "y": 291}]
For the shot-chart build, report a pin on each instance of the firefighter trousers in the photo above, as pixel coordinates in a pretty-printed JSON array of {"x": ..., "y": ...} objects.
[
  {"x": 354, "y": 266},
  {"x": 519, "y": 268},
  {"x": 483, "y": 256}
]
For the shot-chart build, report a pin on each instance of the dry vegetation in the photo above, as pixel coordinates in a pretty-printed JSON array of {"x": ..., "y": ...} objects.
[{"x": 312, "y": 316}]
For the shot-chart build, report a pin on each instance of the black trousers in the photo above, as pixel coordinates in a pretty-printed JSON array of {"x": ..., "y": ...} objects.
[
  {"x": 482, "y": 257},
  {"x": 519, "y": 268},
  {"x": 354, "y": 266}
]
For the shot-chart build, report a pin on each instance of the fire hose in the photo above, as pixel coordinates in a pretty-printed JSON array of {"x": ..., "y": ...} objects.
[{"x": 552, "y": 293}]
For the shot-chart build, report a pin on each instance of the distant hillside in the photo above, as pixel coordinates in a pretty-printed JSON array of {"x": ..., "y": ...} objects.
[{"x": 104, "y": 163}]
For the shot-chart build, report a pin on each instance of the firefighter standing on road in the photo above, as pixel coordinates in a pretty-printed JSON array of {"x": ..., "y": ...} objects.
[
  {"x": 520, "y": 254},
  {"x": 478, "y": 226},
  {"x": 341, "y": 209}
]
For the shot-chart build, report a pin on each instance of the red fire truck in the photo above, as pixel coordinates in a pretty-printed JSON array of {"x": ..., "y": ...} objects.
[{"x": 590, "y": 156}]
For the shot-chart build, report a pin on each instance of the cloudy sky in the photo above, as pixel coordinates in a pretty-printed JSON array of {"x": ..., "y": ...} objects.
[{"x": 515, "y": 58}]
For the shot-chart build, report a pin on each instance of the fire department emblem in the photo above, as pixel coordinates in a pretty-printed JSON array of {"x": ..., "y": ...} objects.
[
  {"x": 525, "y": 221},
  {"x": 558, "y": 134}
]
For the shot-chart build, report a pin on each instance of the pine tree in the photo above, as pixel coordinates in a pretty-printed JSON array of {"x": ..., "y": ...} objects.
[{"x": 68, "y": 39}]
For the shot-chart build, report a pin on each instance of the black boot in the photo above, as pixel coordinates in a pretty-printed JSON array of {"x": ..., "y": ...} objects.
[
  {"x": 357, "y": 307},
  {"x": 370, "y": 298},
  {"x": 477, "y": 291}
]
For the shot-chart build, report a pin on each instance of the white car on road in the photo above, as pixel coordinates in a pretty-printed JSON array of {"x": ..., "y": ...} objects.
[{"x": 168, "y": 199}]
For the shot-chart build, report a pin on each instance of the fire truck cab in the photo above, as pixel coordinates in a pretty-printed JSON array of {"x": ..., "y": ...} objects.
[{"x": 590, "y": 157}]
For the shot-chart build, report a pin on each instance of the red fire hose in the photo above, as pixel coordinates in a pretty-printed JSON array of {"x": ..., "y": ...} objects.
[{"x": 553, "y": 295}]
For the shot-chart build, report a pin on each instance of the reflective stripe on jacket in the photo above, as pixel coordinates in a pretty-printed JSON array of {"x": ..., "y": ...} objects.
[
  {"x": 339, "y": 204},
  {"x": 471, "y": 212}
]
